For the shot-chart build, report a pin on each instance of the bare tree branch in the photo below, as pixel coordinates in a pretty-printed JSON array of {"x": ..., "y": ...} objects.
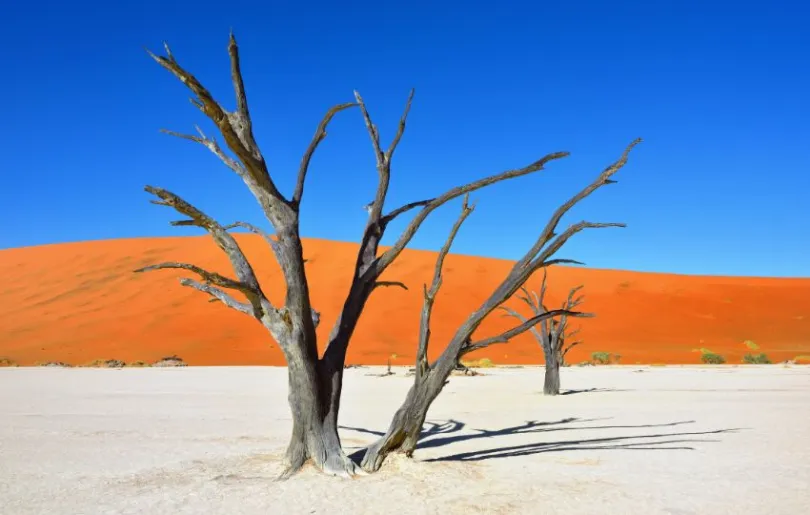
[
  {"x": 568, "y": 347},
  {"x": 522, "y": 328},
  {"x": 373, "y": 133},
  {"x": 236, "y": 78},
  {"x": 208, "y": 277},
  {"x": 383, "y": 157},
  {"x": 535, "y": 258},
  {"x": 548, "y": 232},
  {"x": 515, "y": 314},
  {"x": 247, "y": 281},
  {"x": 557, "y": 243},
  {"x": 407, "y": 423},
  {"x": 180, "y": 223},
  {"x": 364, "y": 284},
  {"x": 403, "y": 209},
  {"x": 235, "y": 127},
  {"x": 430, "y": 293},
  {"x": 571, "y": 334},
  {"x": 219, "y": 295},
  {"x": 210, "y": 144},
  {"x": 400, "y": 129},
  {"x": 389, "y": 255},
  {"x": 256, "y": 230},
  {"x": 320, "y": 134},
  {"x": 570, "y": 303},
  {"x": 383, "y": 284}
]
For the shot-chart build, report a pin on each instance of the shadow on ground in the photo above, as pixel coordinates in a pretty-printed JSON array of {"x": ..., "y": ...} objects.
[
  {"x": 591, "y": 390},
  {"x": 439, "y": 434}
]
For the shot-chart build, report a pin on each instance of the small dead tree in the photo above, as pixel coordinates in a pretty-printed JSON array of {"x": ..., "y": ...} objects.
[
  {"x": 551, "y": 333},
  {"x": 430, "y": 378},
  {"x": 315, "y": 383}
]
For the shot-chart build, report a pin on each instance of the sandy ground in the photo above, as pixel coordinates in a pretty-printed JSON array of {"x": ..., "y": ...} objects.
[
  {"x": 80, "y": 302},
  {"x": 646, "y": 440}
]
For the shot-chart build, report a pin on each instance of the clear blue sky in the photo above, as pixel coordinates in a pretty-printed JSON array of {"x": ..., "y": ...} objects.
[{"x": 719, "y": 92}]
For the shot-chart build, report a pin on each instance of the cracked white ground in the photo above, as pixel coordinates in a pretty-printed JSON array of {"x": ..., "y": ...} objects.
[{"x": 629, "y": 439}]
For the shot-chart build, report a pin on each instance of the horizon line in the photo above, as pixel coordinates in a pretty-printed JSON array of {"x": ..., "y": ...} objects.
[{"x": 416, "y": 249}]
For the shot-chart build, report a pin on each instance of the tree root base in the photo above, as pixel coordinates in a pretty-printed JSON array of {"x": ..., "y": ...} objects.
[{"x": 337, "y": 466}]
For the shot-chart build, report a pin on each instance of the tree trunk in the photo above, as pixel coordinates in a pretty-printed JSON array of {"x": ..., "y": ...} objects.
[
  {"x": 551, "y": 385},
  {"x": 406, "y": 426},
  {"x": 314, "y": 413}
]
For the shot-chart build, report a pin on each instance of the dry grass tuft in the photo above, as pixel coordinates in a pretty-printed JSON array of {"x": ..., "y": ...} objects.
[{"x": 170, "y": 361}]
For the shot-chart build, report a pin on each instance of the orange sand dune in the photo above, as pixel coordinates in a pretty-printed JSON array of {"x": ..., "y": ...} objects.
[{"x": 79, "y": 302}]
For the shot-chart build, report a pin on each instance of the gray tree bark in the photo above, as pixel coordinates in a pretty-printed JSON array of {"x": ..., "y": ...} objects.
[
  {"x": 315, "y": 383},
  {"x": 429, "y": 380},
  {"x": 551, "y": 382}
]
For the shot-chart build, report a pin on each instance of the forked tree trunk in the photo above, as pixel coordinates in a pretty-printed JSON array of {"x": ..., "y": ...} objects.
[
  {"x": 314, "y": 413},
  {"x": 315, "y": 385}
]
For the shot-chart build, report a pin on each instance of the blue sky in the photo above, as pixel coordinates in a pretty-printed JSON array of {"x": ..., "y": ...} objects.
[{"x": 718, "y": 92}]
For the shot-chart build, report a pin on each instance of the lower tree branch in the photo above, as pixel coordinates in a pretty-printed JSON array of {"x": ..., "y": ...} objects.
[
  {"x": 246, "y": 281},
  {"x": 208, "y": 277},
  {"x": 219, "y": 295},
  {"x": 522, "y": 328}
]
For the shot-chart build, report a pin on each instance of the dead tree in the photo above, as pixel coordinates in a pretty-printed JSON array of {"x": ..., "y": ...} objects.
[
  {"x": 430, "y": 378},
  {"x": 314, "y": 383},
  {"x": 551, "y": 333}
]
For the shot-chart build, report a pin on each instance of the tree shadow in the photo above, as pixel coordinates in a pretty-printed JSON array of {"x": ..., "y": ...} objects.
[
  {"x": 433, "y": 428},
  {"x": 429, "y": 429},
  {"x": 438, "y": 434},
  {"x": 650, "y": 442},
  {"x": 592, "y": 390}
]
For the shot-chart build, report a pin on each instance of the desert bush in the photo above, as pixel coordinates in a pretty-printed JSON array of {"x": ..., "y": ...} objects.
[
  {"x": 170, "y": 361},
  {"x": 138, "y": 364},
  {"x": 6, "y": 362},
  {"x": 106, "y": 363},
  {"x": 710, "y": 358},
  {"x": 60, "y": 364},
  {"x": 481, "y": 363},
  {"x": 605, "y": 358},
  {"x": 757, "y": 359}
]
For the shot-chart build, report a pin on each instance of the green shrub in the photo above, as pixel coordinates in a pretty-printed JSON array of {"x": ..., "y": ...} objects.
[
  {"x": 751, "y": 345},
  {"x": 601, "y": 358},
  {"x": 757, "y": 359},
  {"x": 710, "y": 358}
]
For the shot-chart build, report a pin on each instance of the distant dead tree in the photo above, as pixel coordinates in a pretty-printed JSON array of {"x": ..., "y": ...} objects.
[
  {"x": 314, "y": 383},
  {"x": 430, "y": 378},
  {"x": 552, "y": 333}
]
